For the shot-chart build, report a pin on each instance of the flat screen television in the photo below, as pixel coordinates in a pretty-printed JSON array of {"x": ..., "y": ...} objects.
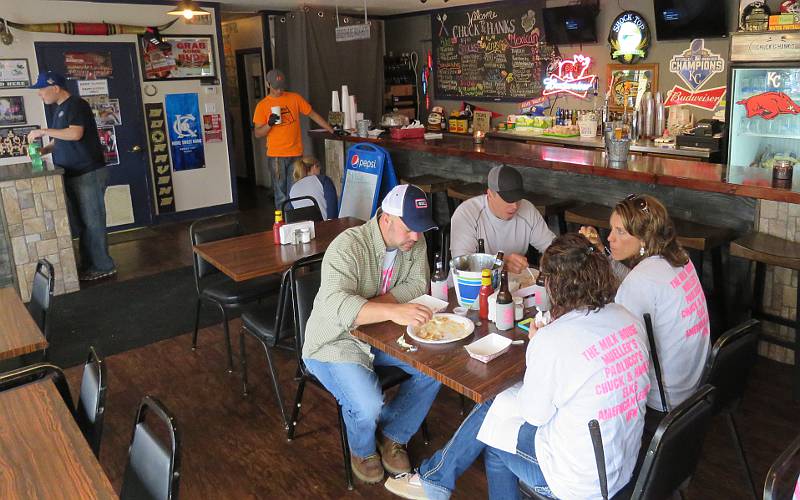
[
  {"x": 688, "y": 19},
  {"x": 570, "y": 24}
]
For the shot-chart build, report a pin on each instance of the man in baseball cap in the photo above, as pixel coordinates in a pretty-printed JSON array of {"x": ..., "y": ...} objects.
[
  {"x": 277, "y": 117},
  {"x": 370, "y": 274},
  {"x": 503, "y": 218}
]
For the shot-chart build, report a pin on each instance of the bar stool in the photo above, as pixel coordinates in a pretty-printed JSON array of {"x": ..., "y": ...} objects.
[
  {"x": 430, "y": 185},
  {"x": 765, "y": 250},
  {"x": 462, "y": 191},
  {"x": 551, "y": 208}
]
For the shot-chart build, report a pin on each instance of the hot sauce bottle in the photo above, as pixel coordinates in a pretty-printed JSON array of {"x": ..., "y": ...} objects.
[
  {"x": 484, "y": 293},
  {"x": 276, "y": 227}
]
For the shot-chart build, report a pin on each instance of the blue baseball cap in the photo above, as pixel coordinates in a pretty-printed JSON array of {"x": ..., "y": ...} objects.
[
  {"x": 410, "y": 204},
  {"x": 49, "y": 78}
]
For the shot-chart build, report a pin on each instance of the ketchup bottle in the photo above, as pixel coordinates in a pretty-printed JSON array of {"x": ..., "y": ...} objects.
[
  {"x": 276, "y": 228},
  {"x": 484, "y": 293}
]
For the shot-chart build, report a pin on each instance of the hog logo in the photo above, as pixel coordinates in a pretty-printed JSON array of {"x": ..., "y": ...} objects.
[{"x": 769, "y": 105}]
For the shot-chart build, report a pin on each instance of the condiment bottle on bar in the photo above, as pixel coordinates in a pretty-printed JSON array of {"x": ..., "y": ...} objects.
[
  {"x": 481, "y": 247},
  {"x": 276, "y": 228},
  {"x": 484, "y": 293},
  {"x": 439, "y": 280},
  {"x": 504, "y": 312}
]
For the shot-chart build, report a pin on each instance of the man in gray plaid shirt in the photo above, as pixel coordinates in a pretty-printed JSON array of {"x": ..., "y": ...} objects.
[{"x": 369, "y": 274}]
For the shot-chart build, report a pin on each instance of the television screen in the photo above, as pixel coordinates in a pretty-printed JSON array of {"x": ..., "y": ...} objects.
[
  {"x": 571, "y": 24},
  {"x": 687, "y": 19}
]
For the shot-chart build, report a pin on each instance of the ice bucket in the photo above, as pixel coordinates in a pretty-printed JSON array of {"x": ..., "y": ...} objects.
[
  {"x": 466, "y": 271},
  {"x": 617, "y": 150}
]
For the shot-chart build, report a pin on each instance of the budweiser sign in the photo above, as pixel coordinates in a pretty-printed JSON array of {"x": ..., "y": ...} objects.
[{"x": 704, "y": 99}]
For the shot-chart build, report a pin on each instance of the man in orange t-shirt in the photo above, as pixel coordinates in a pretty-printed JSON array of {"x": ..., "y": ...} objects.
[{"x": 284, "y": 141}]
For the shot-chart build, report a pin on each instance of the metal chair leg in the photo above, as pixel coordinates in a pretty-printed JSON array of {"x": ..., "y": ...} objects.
[
  {"x": 196, "y": 323},
  {"x": 274, "y": 376},
  {"x": 348, "y": 467},
  {"x": 463, "y": 401},
  {"x": 758, "y": 288},
  {"x": 426, "y": 435},
  {"x": 226, "y": 329},
  {"x": 740, "y": 450},
  {"x": 243, "y": 361},
  {"x": 296, "y": 410}
]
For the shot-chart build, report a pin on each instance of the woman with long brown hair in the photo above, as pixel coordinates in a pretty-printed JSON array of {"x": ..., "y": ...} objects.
[
  {"x": 662, "y": 282},
  {"x": 590, "y": 362}
]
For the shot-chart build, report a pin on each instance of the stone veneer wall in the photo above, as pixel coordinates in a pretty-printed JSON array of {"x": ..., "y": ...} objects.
[
  {"x": 38, "y": 227},
  {"x": 780, "y": 289}
]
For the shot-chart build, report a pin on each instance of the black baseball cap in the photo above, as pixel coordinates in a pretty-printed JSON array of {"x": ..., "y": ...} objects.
[{"x": 507, "y": 182}]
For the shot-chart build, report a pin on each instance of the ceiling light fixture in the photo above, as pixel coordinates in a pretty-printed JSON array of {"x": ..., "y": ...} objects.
[{"x": 188, "y": 9}]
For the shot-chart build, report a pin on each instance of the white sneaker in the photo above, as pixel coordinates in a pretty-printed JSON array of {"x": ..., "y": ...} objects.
[{"x": 406, "y": 485}]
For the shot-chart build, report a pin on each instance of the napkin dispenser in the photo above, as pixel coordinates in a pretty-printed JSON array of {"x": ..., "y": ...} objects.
[{"x": 292, "y": 233}]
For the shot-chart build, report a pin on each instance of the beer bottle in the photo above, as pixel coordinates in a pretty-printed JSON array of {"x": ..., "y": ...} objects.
[
  {"x": 498, "y": 260},
  {"x": 504, "y": 312},
  {"x": 276, "y": 227},
  {"x": 481, "y": 248},
  {"x": 439, "y": 280},
  {"x": 485, "y": 292}
]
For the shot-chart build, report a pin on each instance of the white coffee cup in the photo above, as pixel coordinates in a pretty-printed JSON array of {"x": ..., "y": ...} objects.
[{"x": 276, "y": 110}]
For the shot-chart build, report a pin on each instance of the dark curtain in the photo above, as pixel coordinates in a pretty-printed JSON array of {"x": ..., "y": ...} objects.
[{"x": 315, "y": 64}]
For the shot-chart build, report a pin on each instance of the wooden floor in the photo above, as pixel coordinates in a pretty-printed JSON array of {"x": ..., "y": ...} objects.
[{"x": 235, "y": 447}]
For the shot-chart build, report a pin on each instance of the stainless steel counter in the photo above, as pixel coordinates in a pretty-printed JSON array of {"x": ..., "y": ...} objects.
[{"x": 642, "y": 146}]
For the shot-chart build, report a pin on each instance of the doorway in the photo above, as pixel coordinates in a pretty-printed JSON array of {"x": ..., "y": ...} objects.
[
  {"x": 111, "y": 74},
  {"x": 250, "y": 74}
]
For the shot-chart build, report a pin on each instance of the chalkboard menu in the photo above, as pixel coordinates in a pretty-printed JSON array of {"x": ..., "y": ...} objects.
[{"x": 490, "y": 52}]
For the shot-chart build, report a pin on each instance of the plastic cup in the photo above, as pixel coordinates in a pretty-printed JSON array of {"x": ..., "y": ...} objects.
[{"x": 461, "y": 311}]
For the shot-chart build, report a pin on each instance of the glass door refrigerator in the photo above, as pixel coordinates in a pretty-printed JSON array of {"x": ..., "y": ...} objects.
[{"x": 763, "y": 106}]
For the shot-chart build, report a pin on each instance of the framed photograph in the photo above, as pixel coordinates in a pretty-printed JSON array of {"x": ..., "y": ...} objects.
[
  {"x": 14, "y": 141},
  {"x": 14, "y": 73},
  {"x": 12, "y": 110},
  {"x": 624, "y": 81},
  {"x": 178, "y": 58}
]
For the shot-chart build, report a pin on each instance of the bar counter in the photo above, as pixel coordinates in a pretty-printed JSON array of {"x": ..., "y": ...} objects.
[{"x": 748, "y": 182}]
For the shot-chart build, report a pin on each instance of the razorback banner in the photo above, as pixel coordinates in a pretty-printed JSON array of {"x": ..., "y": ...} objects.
[
  {"x": 704, "y": 99},
  {"x": 159, "y": 157}
]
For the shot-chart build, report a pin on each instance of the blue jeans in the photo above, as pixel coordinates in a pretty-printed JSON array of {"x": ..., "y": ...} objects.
[
  {"x": 87, "y": 216},
  {"x": 282, "y": 180},
  {"x": 358, "y": 391},
  {"x": 438, "y": 474}
]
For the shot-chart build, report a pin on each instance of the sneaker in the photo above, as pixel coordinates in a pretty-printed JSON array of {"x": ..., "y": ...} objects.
[
  {"x": 96, "y": 275},
  {"x": 393, "y": 456},
  {"x": 367, "y": 469},
  {"x": 406, "y": 485}
]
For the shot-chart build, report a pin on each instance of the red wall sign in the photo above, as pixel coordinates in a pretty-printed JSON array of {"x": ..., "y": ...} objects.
[{"x": 571, "y": 77}]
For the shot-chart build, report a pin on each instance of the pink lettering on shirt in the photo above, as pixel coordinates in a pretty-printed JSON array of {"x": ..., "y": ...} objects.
[
  {"x": 386, "y": 279},
  {"x": 695, "y": 300}
]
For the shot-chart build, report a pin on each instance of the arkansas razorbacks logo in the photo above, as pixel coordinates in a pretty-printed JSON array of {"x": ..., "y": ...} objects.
[{"x": 769, "y": 105}]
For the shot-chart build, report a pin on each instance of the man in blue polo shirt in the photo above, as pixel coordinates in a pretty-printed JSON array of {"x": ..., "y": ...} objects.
[{"x": 76, "y": 148}]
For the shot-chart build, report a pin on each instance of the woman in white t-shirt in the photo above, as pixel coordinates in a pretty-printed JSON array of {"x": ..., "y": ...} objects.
[
  {"x": 662, "y": 282},
  {"x": 309, "y": 181},
  {"x": 591, "y": 362}
]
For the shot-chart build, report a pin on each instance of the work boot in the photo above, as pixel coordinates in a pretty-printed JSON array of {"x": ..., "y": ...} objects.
[
  {"x": 406, "y": 486},
  {"x": 367, "y": 469},
  {"x": 393, "y": 456}
]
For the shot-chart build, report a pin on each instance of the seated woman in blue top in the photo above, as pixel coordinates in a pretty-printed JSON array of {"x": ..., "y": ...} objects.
[{"x": 309, "y": 181}]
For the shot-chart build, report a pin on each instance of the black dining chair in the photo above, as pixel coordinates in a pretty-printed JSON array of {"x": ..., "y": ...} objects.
[
  {"x": 308, "y": 212},
  {"x": 651, "y": 340},
  {"x": 91, "y": 407},
  {"x": 213, "y": 286},
  {"x": 153, "y": 468},
  {"x": 42, "y": 296},
  {"x": 32, "y": 373},
  {"x": 267, "y": 323},
  {"x": 305, "y": 277},
  {"x": 783, "y": 478},
  {"x": 728, "y": 368}
]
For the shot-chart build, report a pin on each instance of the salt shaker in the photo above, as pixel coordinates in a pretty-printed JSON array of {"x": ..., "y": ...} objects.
[{"x": 305, "y": 235}]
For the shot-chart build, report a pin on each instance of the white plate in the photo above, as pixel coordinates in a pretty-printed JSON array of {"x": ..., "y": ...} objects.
[
  {"x": 431, "y": 302},
  {"x": 469, "y": 327}
]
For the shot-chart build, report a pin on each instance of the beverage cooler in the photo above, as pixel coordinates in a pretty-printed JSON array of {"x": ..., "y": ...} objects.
[{"x": 764, "y": 99}]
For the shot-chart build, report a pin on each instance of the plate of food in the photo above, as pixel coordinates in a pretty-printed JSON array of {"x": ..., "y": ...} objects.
[{"x": 442, "y": 329}]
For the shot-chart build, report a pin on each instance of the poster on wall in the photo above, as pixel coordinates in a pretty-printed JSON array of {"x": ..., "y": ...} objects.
[
  {"x": 12, "y": 110},
  {"x": 14, "y": 141},
  {"x": 178, "y": 58},
  {"x": 212, "y": 128},
  {"x": 14, "y": 73},
  {"x": 108, "y": 139},
  {"x": 87, "y": 65},
  {"x": 695, "y": 66},
  {"x": 92, "y": 87},
  {"x": 185, "y": 131},
  {"x": 159, "y": 157},
  {"x": 107, "y": 112},
  {"x": 624, "y": 81}
]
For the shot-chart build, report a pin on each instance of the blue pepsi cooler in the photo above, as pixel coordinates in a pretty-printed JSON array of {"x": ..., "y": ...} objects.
[{"x": 466, "y": 271}]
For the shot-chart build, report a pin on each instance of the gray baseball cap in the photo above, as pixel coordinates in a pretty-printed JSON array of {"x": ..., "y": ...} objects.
[
  {"x": 276, "y": 79},
  {"x": 507, "y": 182}
]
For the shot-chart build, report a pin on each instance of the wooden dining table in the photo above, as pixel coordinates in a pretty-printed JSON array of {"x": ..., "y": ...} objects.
[
  {"x": 450, "y": 363},
  {"x": 255, "y": 255},
  {"x": 19, "y": 334},
  {"x": 44, "y": 454}
]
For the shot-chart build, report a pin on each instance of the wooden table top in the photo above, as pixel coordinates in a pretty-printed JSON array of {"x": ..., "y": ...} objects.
[
  {"x": 44, "y": 453},
  {"x": 255, "y": 255},
  {"x": 19, "y": 334},
  {"x": 450, "y": 363}
]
